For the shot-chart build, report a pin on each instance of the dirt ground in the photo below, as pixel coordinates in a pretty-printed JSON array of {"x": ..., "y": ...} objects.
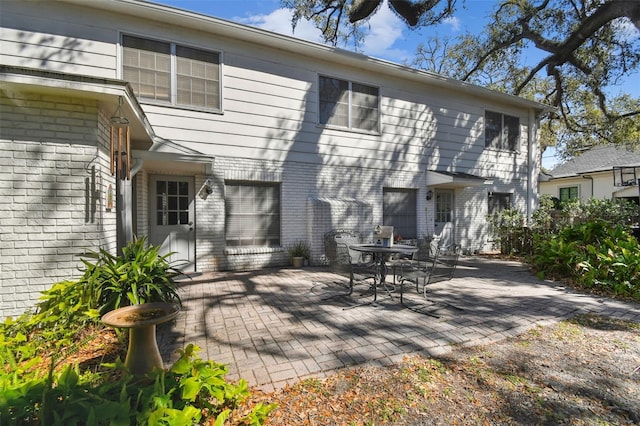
[{"x": 585, "y": 371}]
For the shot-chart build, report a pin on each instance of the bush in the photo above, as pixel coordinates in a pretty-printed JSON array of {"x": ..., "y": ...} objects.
[
  {"x": 596, "y": 255},
  {"x": 33, "y": 390},
  {"x": 190, "y": 390},
  {"x": 140, "y": 275}
]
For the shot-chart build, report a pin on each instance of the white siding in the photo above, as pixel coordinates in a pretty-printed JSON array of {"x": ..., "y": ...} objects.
[{"x": 267, "y": 129}]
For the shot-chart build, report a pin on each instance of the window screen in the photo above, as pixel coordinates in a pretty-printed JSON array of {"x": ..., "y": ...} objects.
[
  {"x": 399, "y": 211},
  {"x": 149, "y": 68},
  {"x": 197, "y": 77},
  {"x": 252, "y": 214},
  {"x": 346, "y": 104},
  {"x": 501, "y": 131},
  {"x": 499, "y": 202}
]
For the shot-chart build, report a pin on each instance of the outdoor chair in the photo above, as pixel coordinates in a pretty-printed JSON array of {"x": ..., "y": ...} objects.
[
  {"x": 426, "y": 251},
  {"x": 345, "y": 261},
  {"x": 439, "y": 267},
  {"x": 359, "y": 268}
]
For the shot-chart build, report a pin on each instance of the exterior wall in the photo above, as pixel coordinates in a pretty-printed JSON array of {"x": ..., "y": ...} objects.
[
  {"x": 53, "y": 180},
  {"x": 597, "y": 185},
  {"x": 267, "y": 131}
]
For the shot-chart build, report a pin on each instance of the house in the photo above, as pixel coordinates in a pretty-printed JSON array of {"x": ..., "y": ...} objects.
[
  {"x": 603, "y": 172},
  {"x": 225, "y": 144}
]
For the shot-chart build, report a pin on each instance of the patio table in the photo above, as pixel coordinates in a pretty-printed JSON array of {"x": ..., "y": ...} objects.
[{"x": 379, "y": 254}]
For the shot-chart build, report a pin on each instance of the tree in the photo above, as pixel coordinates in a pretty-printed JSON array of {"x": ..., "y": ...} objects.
[{"x": 585, "y": 50}]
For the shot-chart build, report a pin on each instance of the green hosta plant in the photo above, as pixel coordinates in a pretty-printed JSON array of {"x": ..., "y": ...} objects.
[{"x": 140, "y": 275}]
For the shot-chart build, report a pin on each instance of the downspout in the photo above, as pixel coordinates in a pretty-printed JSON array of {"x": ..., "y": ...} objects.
[
  {"x": 127, "y": 203},
  {"x": 591, "y": 179},
  {"x": 532, "y": 163}
]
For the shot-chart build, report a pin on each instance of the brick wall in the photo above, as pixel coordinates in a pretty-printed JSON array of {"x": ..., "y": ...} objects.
[
  {"x": 352, "y": 197},
  {"x": 53, "y": 180}
]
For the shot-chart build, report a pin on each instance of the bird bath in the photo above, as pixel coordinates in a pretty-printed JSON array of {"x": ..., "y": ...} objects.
[{"x": 141, "y": 320}]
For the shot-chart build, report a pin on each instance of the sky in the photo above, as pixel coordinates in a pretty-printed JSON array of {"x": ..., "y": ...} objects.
[{"x": 389, "y": 37}]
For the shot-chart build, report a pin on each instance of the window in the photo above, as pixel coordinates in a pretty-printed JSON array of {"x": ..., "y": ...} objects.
[
  {"x": 501, "y": 131},
  {"x": 399, "y": 211},
  {"x": 193, "y": 79},
  {"x": 349, "y": 105},
  {"x": 569, "y": 193},
  {"x": 252, "y": 214},
  {"x": 172, "y": 202},
  {"x": 499, "y": 202}
]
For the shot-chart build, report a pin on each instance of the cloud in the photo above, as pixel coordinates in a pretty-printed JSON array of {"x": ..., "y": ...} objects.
[
  {"x": 279, "y": 21},
  {"x": 385, "y": 29},
  {"x": 382, "y": 31},
  {"x": 453, "y": 22}
]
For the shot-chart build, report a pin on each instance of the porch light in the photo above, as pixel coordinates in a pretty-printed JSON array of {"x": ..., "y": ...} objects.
[
  {"x": 429, "y": 195},
  {"x": 120, "y": 144}
]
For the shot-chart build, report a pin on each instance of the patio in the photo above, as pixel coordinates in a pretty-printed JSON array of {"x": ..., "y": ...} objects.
[{"x": 278, "y": 326}]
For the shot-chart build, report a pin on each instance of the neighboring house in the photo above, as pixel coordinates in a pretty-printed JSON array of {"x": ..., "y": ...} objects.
[
  {"x": 604, "y": 172},
  {"x": 242, "y": 141}
]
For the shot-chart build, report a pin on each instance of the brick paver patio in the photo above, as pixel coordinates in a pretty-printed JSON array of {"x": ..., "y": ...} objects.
[{"x": 277, "y": 326}]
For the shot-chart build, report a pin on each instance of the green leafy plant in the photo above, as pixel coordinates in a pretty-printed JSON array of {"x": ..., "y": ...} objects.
[
  {"x": 139, "y": 275},
  {"x": 190, "y": 391},
  {"x": 300, "y": 249},
  {"x": 595, "y": 255}
]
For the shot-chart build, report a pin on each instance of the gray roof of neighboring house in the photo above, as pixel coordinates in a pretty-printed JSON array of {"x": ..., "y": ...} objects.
[{"x": 598, "y": 158}]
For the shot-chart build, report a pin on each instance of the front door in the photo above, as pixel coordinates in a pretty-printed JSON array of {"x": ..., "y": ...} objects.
[
  {"x": 444, "y": 216},
  {"x": 172, "y": 206}
]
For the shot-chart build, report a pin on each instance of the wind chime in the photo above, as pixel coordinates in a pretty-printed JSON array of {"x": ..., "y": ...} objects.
[{"x": 120, "y": 144}]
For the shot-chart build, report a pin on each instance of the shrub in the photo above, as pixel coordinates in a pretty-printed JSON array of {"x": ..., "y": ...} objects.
[
  {"x": 189, "y": 391},
  {"x": 595, "y": 255},
  {"x": 140, "y": 275}
]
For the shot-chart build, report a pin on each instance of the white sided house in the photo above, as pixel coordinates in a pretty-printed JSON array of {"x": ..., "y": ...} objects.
[
  {"x": 231, "y": 143},
  {"x": 605, "y": 172}
]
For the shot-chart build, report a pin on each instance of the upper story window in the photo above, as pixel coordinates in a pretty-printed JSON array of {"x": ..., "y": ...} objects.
[
  {"x": 501, "y": 131},
  {"x": 168, "y": 72},
  {"x": 350, "y": 105}
]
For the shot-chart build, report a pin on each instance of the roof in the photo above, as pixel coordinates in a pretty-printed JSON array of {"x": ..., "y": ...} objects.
[
  {"x": 257, "y": 36},
  {"x": 596, "y": 159}
]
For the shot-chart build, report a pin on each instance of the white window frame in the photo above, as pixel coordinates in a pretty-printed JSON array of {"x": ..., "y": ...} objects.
[
  {"x": 350, "y": 125},
  {"x": 252, "y": 214},
  {"x": 502, "y": 138},
  {"x": 173, "y": 89}
]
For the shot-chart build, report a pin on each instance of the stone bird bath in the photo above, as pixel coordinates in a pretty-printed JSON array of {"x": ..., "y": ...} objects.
[{"x": 141, "y": 320}]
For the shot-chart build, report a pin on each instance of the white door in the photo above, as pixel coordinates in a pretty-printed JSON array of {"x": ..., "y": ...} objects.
[
  {"x": 444, "y": 216},
  {"x": 172, "y": 206}
]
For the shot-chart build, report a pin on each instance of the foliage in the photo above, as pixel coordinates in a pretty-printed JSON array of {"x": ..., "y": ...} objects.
[
  {"x": 551, "y": 217},
  {"x": 508, "y": 229},
  {"x": 60, "y": 315},
  {"x": 596, "y": 254},
  {"x": 190, "y": 390},
  {"x": 139, "y": 275},
  {"x": 300, "y": 249}
]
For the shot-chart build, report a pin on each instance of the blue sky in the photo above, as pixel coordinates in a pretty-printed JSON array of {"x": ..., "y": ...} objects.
[{"x": 389, "y": 37}]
